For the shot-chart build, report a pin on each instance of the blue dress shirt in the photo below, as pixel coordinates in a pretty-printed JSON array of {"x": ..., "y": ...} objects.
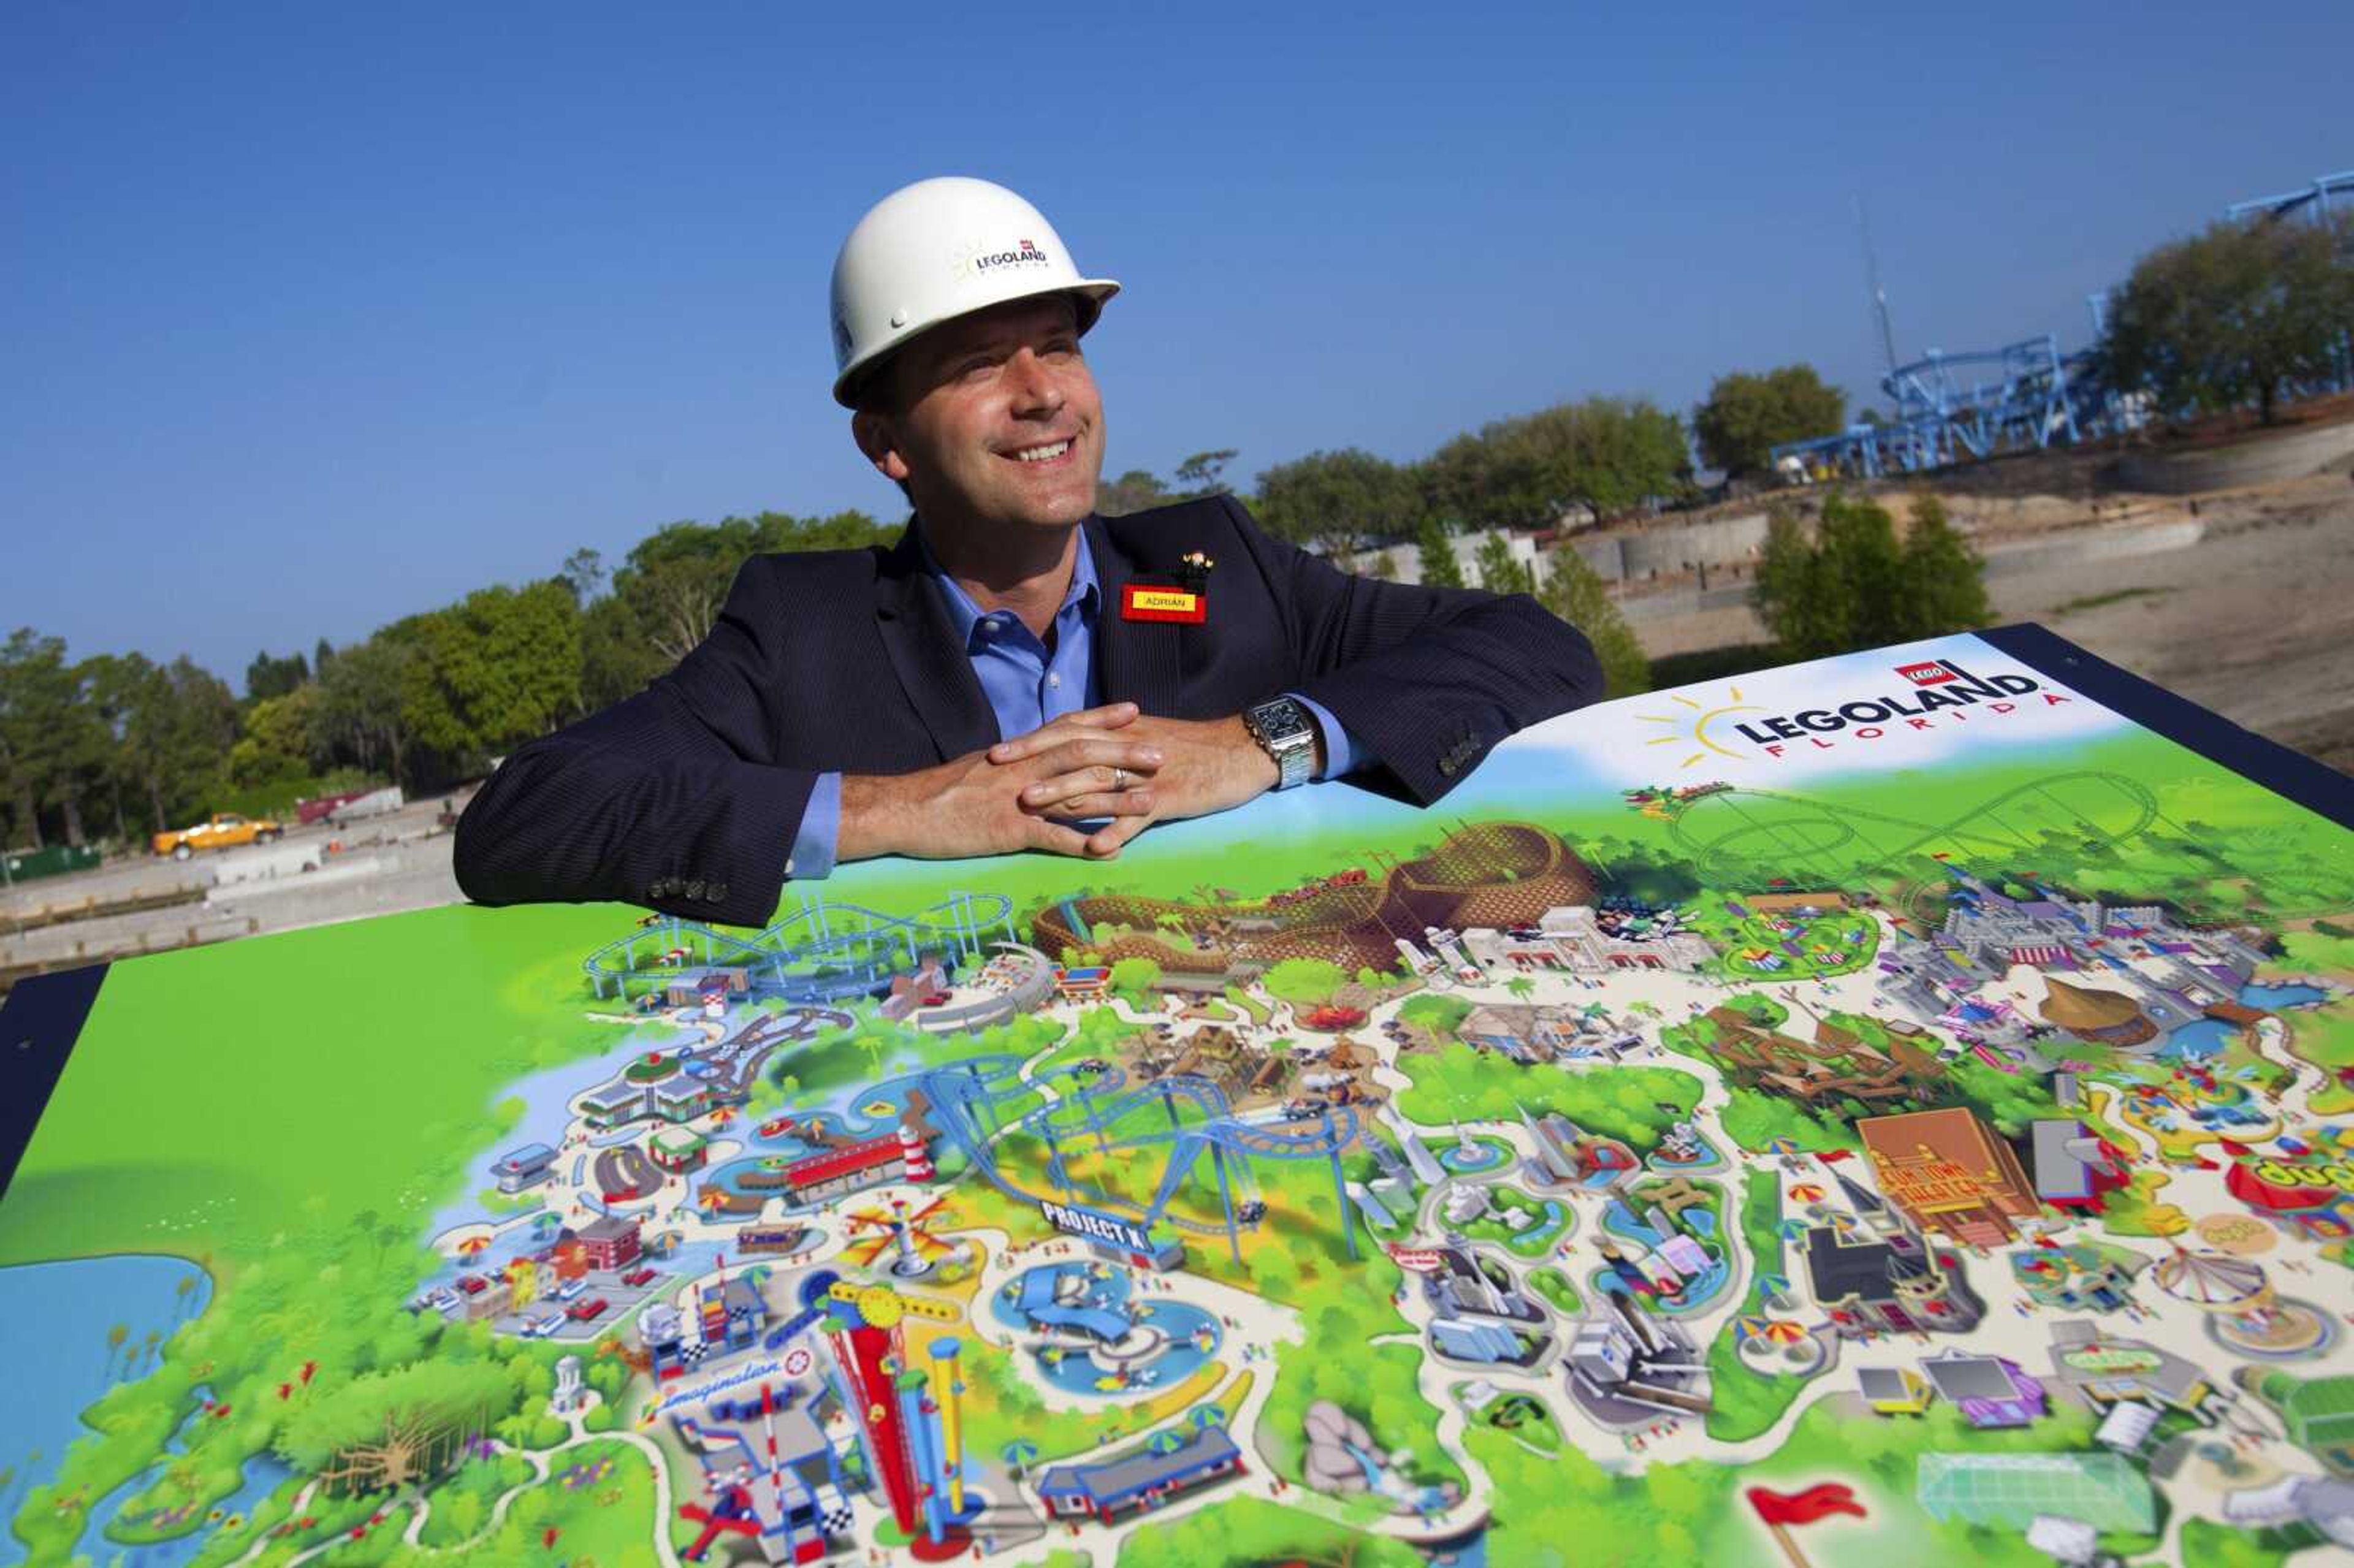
[{"x": 1027, "y": 686}]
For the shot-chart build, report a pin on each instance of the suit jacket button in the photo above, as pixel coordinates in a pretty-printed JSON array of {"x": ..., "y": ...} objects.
[
  {"x": 658, "y": 889},
  {"x": 695, "y": 890},
  {"x": 718, "y": 891},
  {"x": 1446, "y": 766}
]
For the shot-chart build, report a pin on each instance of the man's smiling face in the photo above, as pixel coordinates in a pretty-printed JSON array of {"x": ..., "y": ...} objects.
[{"x": 992, "y": 417}]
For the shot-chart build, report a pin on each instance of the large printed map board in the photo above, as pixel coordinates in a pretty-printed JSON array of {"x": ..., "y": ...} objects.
[{"x": 1893, "y": 1109}]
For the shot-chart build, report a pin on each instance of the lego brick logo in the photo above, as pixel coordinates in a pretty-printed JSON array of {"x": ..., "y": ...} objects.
[{"x": 1931, "y": 674}]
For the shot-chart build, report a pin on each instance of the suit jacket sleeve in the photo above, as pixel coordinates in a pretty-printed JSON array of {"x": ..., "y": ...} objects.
[
  {"x": 668, "y": 800},
  {"x": 1430, "y": 678}
]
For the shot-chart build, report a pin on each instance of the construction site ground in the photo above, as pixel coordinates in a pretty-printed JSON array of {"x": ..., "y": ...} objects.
[{"x": 2242, "y": 602}]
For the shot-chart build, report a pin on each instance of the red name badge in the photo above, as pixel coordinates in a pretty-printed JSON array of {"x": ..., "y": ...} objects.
[{"x": 1157, "y": 601}]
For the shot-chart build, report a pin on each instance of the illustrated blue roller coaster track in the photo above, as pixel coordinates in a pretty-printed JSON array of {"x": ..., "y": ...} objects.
[{"x": 820, "y": 952}]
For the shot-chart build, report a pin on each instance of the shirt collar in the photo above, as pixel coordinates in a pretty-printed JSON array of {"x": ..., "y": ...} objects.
[{"x": 966, "y": 615}]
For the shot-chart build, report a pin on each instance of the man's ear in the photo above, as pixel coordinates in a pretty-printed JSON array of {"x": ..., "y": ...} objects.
[{"x": 880, "y": 442}]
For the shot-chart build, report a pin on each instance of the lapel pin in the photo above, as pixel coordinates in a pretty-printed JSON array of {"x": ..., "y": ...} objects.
[{"x": 1182, "y": 596}]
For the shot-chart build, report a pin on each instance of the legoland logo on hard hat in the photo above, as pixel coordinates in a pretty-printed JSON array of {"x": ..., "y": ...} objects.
[{"x": 986, "y": 259}]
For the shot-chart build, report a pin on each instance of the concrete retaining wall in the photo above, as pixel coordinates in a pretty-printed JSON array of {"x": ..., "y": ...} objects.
[
  {"x": 1623, "y": 557},
  {"x": 2258, "y": 462}
]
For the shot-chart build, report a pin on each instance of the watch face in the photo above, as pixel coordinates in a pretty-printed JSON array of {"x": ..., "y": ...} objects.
[{"x": 1280, "y": 719}]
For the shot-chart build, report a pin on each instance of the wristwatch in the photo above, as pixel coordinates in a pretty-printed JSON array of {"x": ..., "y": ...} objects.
[{"x": 1286, "y": 731}]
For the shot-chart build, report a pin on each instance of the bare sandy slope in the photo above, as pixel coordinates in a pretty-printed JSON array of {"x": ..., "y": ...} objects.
[{"x": 2256, "y": 621}]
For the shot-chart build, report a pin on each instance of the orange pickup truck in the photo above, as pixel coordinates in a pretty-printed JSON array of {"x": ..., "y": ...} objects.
[{"x": 226, "y": 830}]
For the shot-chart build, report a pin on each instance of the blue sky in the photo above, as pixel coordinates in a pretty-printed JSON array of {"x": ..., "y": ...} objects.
[{"x": 315, "y": 316}]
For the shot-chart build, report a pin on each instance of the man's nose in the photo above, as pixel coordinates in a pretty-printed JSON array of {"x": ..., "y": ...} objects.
[{"x": 1037, "y": 391}]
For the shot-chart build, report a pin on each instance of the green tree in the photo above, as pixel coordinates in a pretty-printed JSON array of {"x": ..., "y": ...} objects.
[
  {"x": 1437, "y": 551},
  {"x": 1607, "y": 455},
  {"x": 501, "y": 667},
  {"x": 1134, "y": 978},
  {"x": 1854, "y": 586},
  {"x": 1135, "y": 491},
  {"x": 52, "y": 746},
  {"x": 1746, "y": 415},
  {"x": 279, "y": 740},
  {"x": 1499, "y": 572},
  {"x": 2232, "y": 315},
  {"x": 1574, "y": 591},
  {"x": 358, "y": 711},
  {"x": 1944, "y": 578},
  {"x": 1336, "y": 500},
  {"x": 269, "y": 676},
  {"x": 1199, "y": 475},
  {"x": 1303, "y": 982}
]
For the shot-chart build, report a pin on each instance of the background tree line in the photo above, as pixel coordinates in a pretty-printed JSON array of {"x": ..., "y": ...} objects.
[{"x": 120, "y": 746}]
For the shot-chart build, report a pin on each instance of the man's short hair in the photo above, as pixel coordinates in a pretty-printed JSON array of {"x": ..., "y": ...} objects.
[{"x": 877, "y": 393}]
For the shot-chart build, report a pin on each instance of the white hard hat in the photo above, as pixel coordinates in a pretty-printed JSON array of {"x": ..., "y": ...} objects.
[{"x": 938, "y": 250}]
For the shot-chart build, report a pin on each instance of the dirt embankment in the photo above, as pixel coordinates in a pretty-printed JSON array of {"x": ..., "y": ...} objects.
[{"x": 2253, "y": 619}]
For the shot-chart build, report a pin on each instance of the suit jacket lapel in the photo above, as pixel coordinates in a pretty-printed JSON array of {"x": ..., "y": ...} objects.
[
  {"x": 932, "y": 666},
  {"x": 1136, "y": 661}
]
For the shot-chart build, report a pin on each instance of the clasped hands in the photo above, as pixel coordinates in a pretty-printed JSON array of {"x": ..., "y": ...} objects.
[{"x": 1113, "y": 762}]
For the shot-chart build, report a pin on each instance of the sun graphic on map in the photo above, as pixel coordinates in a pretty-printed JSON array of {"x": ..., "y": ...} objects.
[{"x": 1691, "y": 727}]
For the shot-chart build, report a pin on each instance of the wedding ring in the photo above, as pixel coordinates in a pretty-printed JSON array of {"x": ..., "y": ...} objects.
[{"x": 1119, "y": 779}]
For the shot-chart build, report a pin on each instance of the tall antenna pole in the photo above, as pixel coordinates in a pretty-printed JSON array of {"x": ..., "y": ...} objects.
[{"x": 1879, "y": 294}]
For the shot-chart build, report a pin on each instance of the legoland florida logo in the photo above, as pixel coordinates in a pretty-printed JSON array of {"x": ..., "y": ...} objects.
[{"x": 1941, "y": 694}]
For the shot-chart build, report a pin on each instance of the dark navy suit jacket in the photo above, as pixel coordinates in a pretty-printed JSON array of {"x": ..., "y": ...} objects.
[{"x": 686, "y": 797}]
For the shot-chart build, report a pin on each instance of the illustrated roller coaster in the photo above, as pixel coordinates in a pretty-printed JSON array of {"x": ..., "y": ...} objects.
[
  {"x": 1737, "y": 835},
  {"x": 1185, "y": 1115},
  {"x": 820, "y": 952}
]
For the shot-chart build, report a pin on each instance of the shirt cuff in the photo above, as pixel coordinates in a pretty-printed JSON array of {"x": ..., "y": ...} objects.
[
  {"x": 1344, "y": 753},
  {"x": 820, "y": 831}
]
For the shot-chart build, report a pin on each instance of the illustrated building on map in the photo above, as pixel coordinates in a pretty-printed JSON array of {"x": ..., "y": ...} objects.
[
  {"x": 731, "y": 1314},
  {"x": 526, "y": 1167},
  {"x": 821, "y": 1178},
  {"x": 2317, "y": 1412},
  {"x": 676, "y": 1150},
  {"x": 1945, "y": 1170},
  {"x": 2074, "y": 1170},
  {"x": 2324, "y": 1503},
  {"x": 569, "y": 1395},
  {"x": 1140, "y": 1480},
  {"x": 2104, "y": 1370},
  {"x": 2076, "y": 1276},
  {"x": 1566, "y": 1153},
  {"x": 1582, "y": 940},
  {"x": 1888, "y": 1284},
  {"x": 2007, "y": 1491},
  {"x": 771, "y": 1479},
  {"x": 612, "y": 1242},
  {"x": 1478, "y": 1315},
  {"x": 1626, "y": 1366},
  {"x": 1992, "y": 1392},
  {"x": 1531, "y": 1035},
  {"x": 1836, "y": 1065},
  {"x": 2100, "y": 1017}
]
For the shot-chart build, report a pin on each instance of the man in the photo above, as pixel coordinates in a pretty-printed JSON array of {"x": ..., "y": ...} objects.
[{"x": 1015, "y": 673}]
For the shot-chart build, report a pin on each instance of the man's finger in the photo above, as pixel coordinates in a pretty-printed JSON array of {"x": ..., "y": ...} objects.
[
  {"x": 1106, "y": 841},
  {"x": 1079, "y": 764},
  {"x": 1055, "y": 838},
  {"x": 1095, "y": 779},
  {"x": 1087, "y": 808},
  {"x": 1111, "y": 715}
]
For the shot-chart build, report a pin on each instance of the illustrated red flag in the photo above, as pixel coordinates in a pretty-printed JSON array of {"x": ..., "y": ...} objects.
[{"x": 1806, "y": 1507}]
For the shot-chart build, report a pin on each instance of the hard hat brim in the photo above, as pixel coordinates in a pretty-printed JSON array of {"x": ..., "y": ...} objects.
[{"x": 1089, "y": 295}]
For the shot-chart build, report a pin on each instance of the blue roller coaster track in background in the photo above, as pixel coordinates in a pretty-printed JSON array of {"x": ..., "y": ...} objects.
[{"x": 2028, "y": 395}]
